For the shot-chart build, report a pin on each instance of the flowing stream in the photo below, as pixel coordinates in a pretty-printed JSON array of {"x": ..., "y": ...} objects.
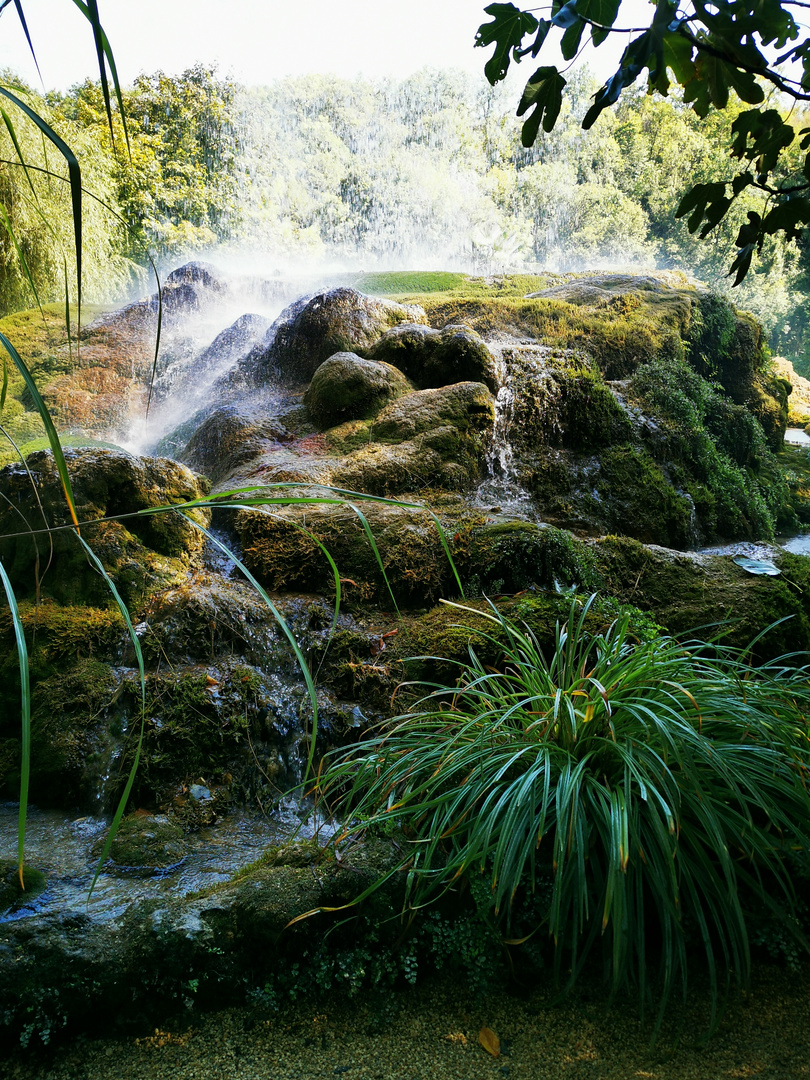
[{"x": 66, "y": 849}]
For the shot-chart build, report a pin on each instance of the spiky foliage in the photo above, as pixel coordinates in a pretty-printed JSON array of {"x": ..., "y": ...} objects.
[{"x": 653, "y": 781}]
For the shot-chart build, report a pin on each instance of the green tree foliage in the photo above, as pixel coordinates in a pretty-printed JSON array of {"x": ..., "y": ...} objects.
[
  {"x": 175, "y": 177},
  {"x": 717, "y": 54}
]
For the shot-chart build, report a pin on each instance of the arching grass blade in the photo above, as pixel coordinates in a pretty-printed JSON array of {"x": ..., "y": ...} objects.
[{"x": 25, "y": 718}]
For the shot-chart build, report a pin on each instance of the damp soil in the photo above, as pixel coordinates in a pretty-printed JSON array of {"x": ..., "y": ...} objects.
[{"x": 432, "y": 1033}]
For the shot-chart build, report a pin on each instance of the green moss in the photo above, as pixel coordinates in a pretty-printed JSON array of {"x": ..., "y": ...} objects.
[
  {"x": 687, "y": 594},
  {"x": 640, "y": 501},
  {"x": 717, "y": 450},
  {"x": 794, "y": 467},
  {"x": 617, "y": 340},
  {"x": 297, "y": 853},
  {"x": 41, "y": 340},
  {"x": 58, "y": 639},
  {"x": 567, "y": 405},
  {"x": 286, "y": 558},
  {"x": 198, "y": 725},
  {"x": 408, "y": 281},
  {"x": 145, "y": 843},
  {"x": 11, "y": 894},
  {"x": 510, "y": 557},
  {"x": 150, "y": 552},
  {"x": 72, "y": 740}
]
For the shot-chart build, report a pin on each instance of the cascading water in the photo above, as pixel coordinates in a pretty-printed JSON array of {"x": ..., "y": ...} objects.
[{"x": 502, "y": 485}]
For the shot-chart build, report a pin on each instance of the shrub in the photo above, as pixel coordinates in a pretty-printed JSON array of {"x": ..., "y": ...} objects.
[{"x": 650, "y": 780}]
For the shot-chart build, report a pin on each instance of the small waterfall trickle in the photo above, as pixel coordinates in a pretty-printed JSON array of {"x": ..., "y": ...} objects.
[{"x": 501, "y": 487}]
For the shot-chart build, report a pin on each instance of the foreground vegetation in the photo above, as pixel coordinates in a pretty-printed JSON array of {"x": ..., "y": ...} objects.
[{"x": 639, "y": 795}]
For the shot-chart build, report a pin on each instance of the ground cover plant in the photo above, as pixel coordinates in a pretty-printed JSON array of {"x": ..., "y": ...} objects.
[{"x": 654, "y": 784}]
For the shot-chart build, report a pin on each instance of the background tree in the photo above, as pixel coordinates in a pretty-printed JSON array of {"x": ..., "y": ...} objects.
[{"x": 754, "y": 48}]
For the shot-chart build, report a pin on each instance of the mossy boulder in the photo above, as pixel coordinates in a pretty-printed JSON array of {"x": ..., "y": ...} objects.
[
  {"x": 140, "y": 553},
  {"x": 508, "y": 557},
  {"x": 347, "y": 387},
  {"x": 687, "y": 591},
  {"x": 437, "y": 357},
  {"x": 313, "y": 329},
  {"x": 283, "y": 550},
  {"x": 465, "y": 406},
  {"x": 77, "y": 732},
  {"x": 559, "y": 398},
  {"x": 11, "y": 893},
  {"x": 144, "y": 845}
]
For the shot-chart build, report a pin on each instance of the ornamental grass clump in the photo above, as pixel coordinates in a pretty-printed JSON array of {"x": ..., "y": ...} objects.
[{"x": 656, "y": 783}]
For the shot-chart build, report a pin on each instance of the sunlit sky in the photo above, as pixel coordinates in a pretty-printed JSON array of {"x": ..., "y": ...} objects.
[{"x": 256, "y": 41}]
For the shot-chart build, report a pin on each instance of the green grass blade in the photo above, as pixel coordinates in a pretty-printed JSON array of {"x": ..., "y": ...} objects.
[
  {"x": 15, "y": 141},
  {"x": 104, "y": 52},
  {"x": 25, "y": 718},
  {"x": 50, "y": 430},
  {"x": 122, "y": 803},
  {"x": 24, "y": 24}
]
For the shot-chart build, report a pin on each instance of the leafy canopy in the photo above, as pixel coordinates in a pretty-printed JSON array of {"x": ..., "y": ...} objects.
[{"x": 756, "y": 48}]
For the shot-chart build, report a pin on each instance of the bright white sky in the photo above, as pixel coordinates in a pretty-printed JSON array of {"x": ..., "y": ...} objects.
[{"x": 255, "y": 41}]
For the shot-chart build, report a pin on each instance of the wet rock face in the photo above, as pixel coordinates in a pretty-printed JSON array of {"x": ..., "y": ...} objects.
[
  {"x": 347, "y": 387},
  {"x": 313, "y": 329},
  {"x": 229, "y": 437}
]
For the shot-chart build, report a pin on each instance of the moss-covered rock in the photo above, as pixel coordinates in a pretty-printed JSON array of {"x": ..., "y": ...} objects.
[
  {"x": 315, "y": 328},
  {"x": 467, "y": 407},
  {"x": 437, "y": 357},
  {"x": 141, "y": 553},
  {"x": 230, "y": 437},
  {"x": 11, "y": 893},
  {"x": 560, "y": 399},
  {"x": 144, "y": 845},
  {"x": 512, "y": 556},
  {"x": 692, "y": 592},
  {"x": 76, "y": 735},
  {"x": 347, "y": 387},
  {"x": 283, "y": 550}
]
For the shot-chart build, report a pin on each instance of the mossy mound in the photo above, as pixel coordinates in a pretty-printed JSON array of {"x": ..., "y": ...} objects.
[
  {"x": 315, "y": 328},
  {"x": 794, "y": 467},
  {"x": 76, "y": 733},
  {"x": 41, "y": 338},
  {"x": 710, "y": 594},
  {"x": 216, "y": 724},
  {"x": 347, "y": 387},
  {"x": 144, "y": 845},
  {"x": 512, "y": 556},
  {"x": 11, "y": 893},
  {"x": 284, "y": 551},
  {"x": 228, "y": 438},
  {"x": 560, "y": 399},
  {"x": 141, "y": 554},
  {"x": 437, "y": 357}
]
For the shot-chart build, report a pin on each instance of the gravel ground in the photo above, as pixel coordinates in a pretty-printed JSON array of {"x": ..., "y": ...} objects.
[{"x": 432, "y": 1034}]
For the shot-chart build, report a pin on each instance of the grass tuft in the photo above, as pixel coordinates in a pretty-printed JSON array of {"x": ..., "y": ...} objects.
[{"x": 654, "y": 782}]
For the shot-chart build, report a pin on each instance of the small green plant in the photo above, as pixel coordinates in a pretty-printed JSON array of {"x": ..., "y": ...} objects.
[{"x": 648, "y": 782}]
